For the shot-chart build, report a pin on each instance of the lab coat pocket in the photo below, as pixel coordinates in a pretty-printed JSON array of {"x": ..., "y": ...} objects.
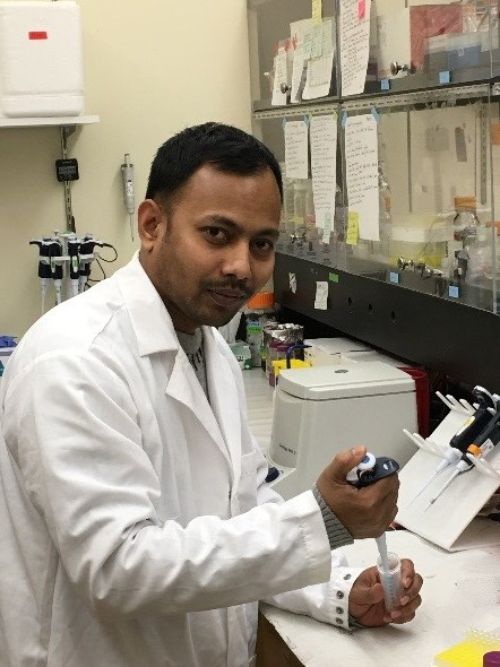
[{"x": 247, "y": 488}]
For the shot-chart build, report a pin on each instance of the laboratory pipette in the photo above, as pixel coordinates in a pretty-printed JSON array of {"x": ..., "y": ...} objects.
[
  {"x": 452, "y": 456},
  {"x": 56, "y": 268},
  {"x": 128, "y": 190},
  {"x": 86, "y": 257},
  {"x": 44, "y": 271},
  {"x": 74, "y": 263},
  {"x": 469, "y": 433},
  {"x": 486, "y": 442},
  {"x": 367, "y": 472}
]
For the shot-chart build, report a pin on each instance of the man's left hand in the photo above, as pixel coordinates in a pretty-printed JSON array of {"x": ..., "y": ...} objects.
[{"x": 366, "y": 600}]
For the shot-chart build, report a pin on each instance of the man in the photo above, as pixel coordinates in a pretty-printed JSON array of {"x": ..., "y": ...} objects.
[{"x": 137, "y": 529}]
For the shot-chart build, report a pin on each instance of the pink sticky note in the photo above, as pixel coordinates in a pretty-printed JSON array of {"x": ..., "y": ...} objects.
[{"x": 361, "y": 9}]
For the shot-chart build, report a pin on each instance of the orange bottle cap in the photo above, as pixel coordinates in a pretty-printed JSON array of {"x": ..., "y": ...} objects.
[
  {"x": 261, "y": 301},
  {"x": 468, "y": 202}
]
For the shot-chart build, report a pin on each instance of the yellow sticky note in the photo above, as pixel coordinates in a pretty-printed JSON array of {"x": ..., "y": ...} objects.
[
  {"x": 352, "y": 236},
  {"x": 317, "y": 9}
]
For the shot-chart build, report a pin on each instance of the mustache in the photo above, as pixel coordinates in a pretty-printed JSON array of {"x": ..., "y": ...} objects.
[{"x": 232, "y": 285}]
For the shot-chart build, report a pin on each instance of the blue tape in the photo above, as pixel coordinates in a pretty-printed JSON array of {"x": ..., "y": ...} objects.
[
  {"x": 385, "y": 84},
  {"x": 394, "y": 277},
  {"x": 444, "y": 77},
  {"x": 375, "y": 114},
  {"x": 307, "y": 120},
  {"x": 283, "y": 122},
  {"x": 344, "y": 119},
  {"x": 7, "y": 341},
  {"x": 454, "y": 291}
]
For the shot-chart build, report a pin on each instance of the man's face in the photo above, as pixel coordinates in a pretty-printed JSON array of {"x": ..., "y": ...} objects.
[{"x": 214, "y": 247}]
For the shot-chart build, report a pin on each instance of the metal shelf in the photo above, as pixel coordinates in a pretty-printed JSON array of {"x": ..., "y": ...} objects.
[
  {"x": 447, "y": 96},
  {"x": 297, "y": 110}
]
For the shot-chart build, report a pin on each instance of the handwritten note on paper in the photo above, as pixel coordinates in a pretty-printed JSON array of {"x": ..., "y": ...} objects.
[
  {"x": 319, "y": 69},
  {"x": 301, "y": 37},
  {"x": 298, "y": 78},
  {"x": 280, "y": 77},
  {"x": 296, "y": 149},
  {"x": 361, "y": 155},
  {"x": 324, "y": 171},
  {"x": 354, "y": 45}
]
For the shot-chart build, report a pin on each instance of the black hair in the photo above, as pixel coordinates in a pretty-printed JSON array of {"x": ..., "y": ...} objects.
[{"x": 225, "y": 147}]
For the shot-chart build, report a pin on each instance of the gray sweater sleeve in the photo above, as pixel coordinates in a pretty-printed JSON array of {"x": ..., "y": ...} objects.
[{"x": 338, "y": 535}]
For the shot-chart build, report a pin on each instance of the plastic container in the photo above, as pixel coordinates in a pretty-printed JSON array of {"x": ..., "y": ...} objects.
[
  {"x": 41, "y": 61},
  {"x": 259, "y": 313},
  {"x": 491, "y": 659},
  {"x": 480, "y": 264},
  {"x": 390, "y": 579},
  {"x": 465, "y": 222},
  {"x": 287, "y": 334},
  {"x": 242, "y": 353}
]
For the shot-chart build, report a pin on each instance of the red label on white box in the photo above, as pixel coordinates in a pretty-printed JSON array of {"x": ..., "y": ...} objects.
[{"x": 37, "y": 35}]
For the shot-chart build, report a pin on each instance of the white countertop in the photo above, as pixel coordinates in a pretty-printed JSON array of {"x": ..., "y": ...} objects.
[{"x": 461, "y": 592}]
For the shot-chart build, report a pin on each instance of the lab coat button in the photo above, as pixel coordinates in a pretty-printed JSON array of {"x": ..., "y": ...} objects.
[
  {"x": 339, "y": 610},
  {"x": 340, "y": 595}
]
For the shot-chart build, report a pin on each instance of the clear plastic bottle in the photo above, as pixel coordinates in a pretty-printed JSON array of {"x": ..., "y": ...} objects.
[
  {"x": 465, "y": 221},
  {"x": 480, "y": 253},
  {"x": 465, "y": 229}
]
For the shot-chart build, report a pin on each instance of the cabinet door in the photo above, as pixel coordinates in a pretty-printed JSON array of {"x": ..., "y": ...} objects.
[
  {"x": 417, "y": 44},
  {"x": 313, "y": 210},
  {"x": 292, "y": 55},
  {"x": 429, "y": 225}
]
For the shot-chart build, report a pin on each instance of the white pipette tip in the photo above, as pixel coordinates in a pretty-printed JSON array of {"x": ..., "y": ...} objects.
[
  {"x": 131, "y": 219},
  {"x": 382, "y": 549},
  {"x": 452, "y": 456},
  {"x": 424, "y": 487},
  {"x": 450, "y": 479}
]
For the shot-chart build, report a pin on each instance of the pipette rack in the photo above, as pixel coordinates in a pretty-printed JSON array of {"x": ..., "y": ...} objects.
[{"x": 451, "y": 521}]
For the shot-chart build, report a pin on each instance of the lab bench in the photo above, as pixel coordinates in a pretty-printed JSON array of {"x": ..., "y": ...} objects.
[{"x": 461, "y": 592}]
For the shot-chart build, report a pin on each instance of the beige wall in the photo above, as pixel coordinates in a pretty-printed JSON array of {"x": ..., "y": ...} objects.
[{"x": 152, "y": 67}]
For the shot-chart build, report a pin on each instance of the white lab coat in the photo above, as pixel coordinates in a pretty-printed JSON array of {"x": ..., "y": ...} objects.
[{"x": 136, "y": 527}]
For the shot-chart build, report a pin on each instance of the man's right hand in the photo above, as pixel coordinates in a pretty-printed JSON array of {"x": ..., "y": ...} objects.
[{"x": 365, "y": 512}]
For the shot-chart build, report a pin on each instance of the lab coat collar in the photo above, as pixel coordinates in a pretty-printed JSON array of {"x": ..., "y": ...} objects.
[{"x": 151, "y": 320}]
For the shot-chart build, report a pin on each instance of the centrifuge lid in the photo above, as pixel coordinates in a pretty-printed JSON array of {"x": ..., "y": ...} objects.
[{"x": 320, "y": 383}]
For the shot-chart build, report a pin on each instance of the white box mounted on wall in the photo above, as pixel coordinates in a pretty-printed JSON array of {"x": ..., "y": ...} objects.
[{"x": 41, "y": 68}]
